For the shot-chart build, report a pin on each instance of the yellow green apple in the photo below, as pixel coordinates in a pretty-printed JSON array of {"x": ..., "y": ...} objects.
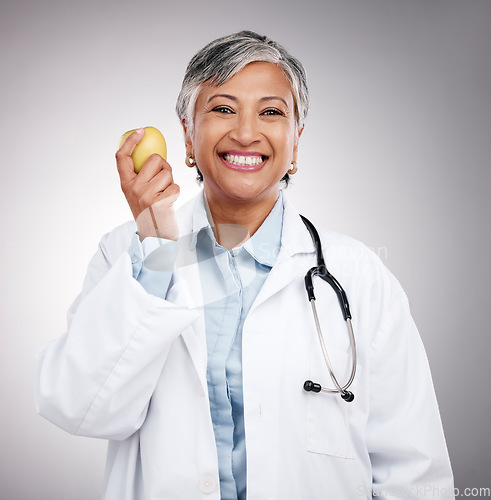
[{"x": 153, "y": 142}]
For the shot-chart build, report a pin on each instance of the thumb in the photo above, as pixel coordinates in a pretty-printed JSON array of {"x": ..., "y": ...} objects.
[{"x": 124, "y": 161}]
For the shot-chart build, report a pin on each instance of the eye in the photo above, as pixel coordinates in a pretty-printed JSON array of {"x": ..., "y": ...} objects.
[
  {"x": 222, "y": 109},
  {"x": 272, "y": 112}
]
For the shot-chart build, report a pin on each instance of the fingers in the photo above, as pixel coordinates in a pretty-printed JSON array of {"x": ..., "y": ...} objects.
[
  {"x": 158, "y": 218},
  {"x": 154, "y": 177},
  {"x": 152, "y": 167},
  {"x": 123, "y": 156},
  {"x": 153, "y": 184},
  {"x": 166, "y": 197},
  {"x": 160, "y": 180},
  {"x": 169, "y": 195}
]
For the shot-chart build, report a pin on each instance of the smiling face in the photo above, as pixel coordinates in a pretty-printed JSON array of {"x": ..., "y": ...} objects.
[{"x": 245, "y": 136}]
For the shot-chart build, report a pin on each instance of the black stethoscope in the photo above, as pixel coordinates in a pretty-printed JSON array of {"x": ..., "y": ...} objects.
[{"x": 321, "y": 271}]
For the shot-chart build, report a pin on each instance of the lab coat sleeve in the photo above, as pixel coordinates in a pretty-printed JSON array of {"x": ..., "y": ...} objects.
[
  {"x": 97, "y": 379},
  {"x": 404, "y": 433},
  {"x": 152, "y": 261}
]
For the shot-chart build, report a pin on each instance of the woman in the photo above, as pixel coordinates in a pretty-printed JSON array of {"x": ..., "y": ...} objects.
[{"x": 190, "y": 343}]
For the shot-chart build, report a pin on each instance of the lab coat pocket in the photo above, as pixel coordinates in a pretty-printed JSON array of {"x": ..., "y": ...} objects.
[{"x": 327, "y": 414}]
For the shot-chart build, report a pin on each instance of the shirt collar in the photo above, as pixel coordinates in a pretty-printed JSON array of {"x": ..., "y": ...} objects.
[
  {"x": 200, "y": 219},
  {"x": 265, "y": 243}
]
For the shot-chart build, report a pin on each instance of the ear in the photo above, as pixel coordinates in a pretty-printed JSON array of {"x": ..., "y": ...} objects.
[
  {"x": 295, "y": 145},
  {"x": 187, "y": 139}
]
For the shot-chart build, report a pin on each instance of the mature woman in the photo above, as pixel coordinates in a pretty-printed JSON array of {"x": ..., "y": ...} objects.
[{"x": 190, "y": 343}]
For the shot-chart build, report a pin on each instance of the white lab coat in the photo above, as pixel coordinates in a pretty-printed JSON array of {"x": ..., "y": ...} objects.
[{"x": 131, "y": 368}]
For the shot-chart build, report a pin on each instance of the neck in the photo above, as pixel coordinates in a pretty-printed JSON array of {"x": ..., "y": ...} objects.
[{"x": 235, "y": 221}]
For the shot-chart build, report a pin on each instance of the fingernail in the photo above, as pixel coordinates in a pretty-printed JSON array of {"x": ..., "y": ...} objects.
[{"x": 140, "y": 131}]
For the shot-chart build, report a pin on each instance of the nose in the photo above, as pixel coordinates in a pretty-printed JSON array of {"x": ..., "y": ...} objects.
[{"x": 245, "y": 130}]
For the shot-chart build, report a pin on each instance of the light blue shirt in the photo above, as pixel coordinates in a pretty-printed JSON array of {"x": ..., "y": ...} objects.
[{"x": 230, "y": 282}]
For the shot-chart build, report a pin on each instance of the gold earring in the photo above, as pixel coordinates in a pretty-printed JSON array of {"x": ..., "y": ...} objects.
[
  {"x": 294, "y": 168},
  {"x": 190, "y": 161}
]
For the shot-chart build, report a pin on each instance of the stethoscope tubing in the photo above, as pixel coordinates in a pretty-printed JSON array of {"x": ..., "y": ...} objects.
[
  {"x": 322, "y": 272},
  {"x": 339, "y": 388}
]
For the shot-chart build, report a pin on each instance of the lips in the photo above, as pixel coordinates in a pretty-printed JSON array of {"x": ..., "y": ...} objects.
[{"x": 244, "y": 160}]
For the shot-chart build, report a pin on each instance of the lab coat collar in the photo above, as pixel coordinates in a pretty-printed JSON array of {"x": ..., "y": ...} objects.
[
  {"x": 263, "y": 246},
  {"x": 295, "y": 238},
  {"x": 295, "y": 242}
]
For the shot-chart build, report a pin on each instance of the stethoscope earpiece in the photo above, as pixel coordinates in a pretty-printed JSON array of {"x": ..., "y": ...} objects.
[{"x": 309, "y": 386}]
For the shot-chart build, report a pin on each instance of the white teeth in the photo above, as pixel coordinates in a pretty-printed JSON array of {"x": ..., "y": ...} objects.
[{"x": 243, "y": 161}]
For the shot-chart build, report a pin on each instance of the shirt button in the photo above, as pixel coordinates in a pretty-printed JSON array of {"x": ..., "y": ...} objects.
[{"x": 207, "y": 484}]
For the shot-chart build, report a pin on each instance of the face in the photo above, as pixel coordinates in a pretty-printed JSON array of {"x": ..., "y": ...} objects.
[{"x": 245, "y": 137}]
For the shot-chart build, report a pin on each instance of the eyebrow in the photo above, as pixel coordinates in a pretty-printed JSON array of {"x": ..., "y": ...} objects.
[{"x": 233, "y": 98}]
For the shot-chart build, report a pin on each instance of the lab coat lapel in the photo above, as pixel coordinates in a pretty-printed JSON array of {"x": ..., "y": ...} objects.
[
  {"x": 296, "y": 256},
  {"x": 189, "y": 289},
  {"x": 186, "y": 291}
]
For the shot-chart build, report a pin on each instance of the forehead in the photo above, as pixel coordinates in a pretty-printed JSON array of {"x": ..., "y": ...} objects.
[{"x": 254, "y": 81}]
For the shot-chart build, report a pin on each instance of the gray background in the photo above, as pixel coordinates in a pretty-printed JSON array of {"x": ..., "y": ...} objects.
[{"x": 395, "y": 153}]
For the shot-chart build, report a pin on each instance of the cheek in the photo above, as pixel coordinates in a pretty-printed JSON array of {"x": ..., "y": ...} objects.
[
  {"x": 285, "y": 141},
  {"x": 201, "y": 144},
  {"x": 206, "y": 136}
]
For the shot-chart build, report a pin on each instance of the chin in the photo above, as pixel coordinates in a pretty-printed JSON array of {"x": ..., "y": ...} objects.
[
  {"x": 242, "y": 187},
  {"x": 252, "y": 191}
]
